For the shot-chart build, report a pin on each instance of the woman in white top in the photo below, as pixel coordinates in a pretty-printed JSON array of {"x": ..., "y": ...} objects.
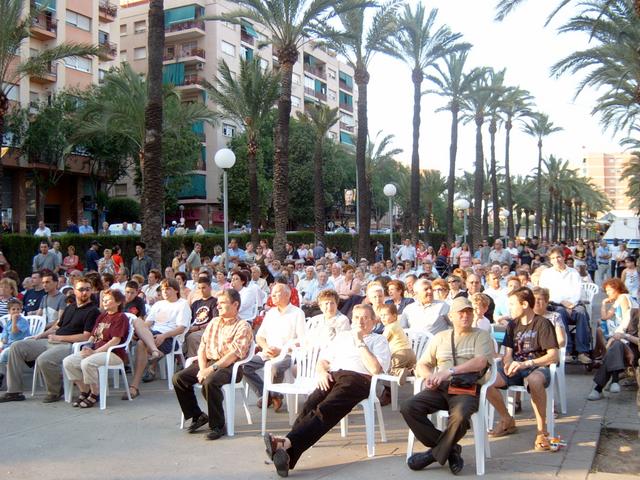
[
  {"x": 250, "y": 296},
  {"x": 323, "y": 328}
]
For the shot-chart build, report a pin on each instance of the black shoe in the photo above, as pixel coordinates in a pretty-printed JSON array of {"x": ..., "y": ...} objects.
[
  {"x": 12, "y": 397},
  {"x": 456, "y": 463},
  {"x": 198, "y": 422},
  {"x": 418, "y": 461},
  {"x": 216, "y": 433},
  {"x": 1, "y": 379},
  {"x": 281, "y": 462},
  {"x": 53, "y": 398}
]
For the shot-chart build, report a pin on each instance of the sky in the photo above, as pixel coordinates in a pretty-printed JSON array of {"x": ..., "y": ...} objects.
[{"x": 527, "y": 49}]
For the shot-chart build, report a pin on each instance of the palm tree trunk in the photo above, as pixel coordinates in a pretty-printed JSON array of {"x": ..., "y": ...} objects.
[
  {"x": 427, "y": 219},
  {"x": 152, "y": 174},
  {"x": 526, "y": 223},
  {"x": 4, "y": 109},
  {"x": 478, "y": 184},
  {"x": 318, "y": 193},
  {"x": 287, "y": 59},
  {"x": 508, "y": 194},
  {"x": 539, "y": 190},
  {"x": 493, "y": 127},
  {"x": 485, "y": 216},
  {"x": 254, "y": 198},
  {"x": 549, "y": 211},
  {"x": 451, "y": 181},
  {"x": 417, "y": 78},
  {"x": 361, "y": 77}
]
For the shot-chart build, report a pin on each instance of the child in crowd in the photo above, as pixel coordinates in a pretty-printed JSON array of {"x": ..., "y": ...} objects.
[
  {"x": 480, "y": 303},
  {"x": 16, "y": 328},
  {"x": 403, "y": 360}
]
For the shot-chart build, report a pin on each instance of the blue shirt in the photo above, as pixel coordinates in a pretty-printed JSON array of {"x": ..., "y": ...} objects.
[
  {"x": 600, "y": 251},
  {"x": 23, "y": 331},
  {"x": 84, "y": 230}
]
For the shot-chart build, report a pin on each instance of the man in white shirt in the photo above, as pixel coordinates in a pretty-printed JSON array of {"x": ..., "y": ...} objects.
[
  {"x": 310, "y": 299},
  {"x": 42, "y": 230},
  {"x": 305, "y": 281},
  {"x": 168, "y": 318},
  {"x": 199, "y": 228},
  {"x": 499, "y": 254},
  {"x": 407, "y": 252},
  {"x": 494, "y": 288},
  {"x": 453, "y": 254},
  {"x": 425, "y": 314},
  {"x": 284, "y": 323},
  {"x": 564, "y": 284},
  {"x": 150, "y": 290},
  {"x": 344, "y": 378}
]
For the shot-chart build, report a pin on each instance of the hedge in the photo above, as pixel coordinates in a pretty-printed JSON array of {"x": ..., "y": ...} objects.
[{"x": 19, "y": 249}]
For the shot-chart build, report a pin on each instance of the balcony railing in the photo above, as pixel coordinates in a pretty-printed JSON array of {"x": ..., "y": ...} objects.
[
  {"x": 315, "y": 70},
  {"x": 190, "y": 79},
  {"x": 49, "y": 75},
  {"x": 315, "y": 93},
  {"x": 192, "y": 52},
  {"x": 108, "y": 49},
  {"x": 186, "y": 25},
  {"x": 246, "y": 38},
  {"x": 108, "y": 8},
  {"x": 45, "y": 22},
  {"x": 347, "y": 128},
  {"x": 345, "y": 86},
  {"x": 346, "y": 106}
]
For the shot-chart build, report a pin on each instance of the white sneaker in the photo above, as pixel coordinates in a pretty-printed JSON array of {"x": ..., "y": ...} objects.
[
  {"x": 614, "y": 388},
  {"x": 594, "y": 395}
]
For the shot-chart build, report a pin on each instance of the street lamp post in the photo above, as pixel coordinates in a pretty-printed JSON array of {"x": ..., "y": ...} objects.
[
  {"x": 390, "y": 191},
  {"x": 181, "y": 207},
  {"x": 463, "y": 204},
  {"x": 504, "y": 215},
  {"x": 225, "y": 159},
  {"x": 532, "y": 220}
]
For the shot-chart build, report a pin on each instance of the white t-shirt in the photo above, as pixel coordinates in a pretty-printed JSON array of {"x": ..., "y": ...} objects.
[
  {"x": 279, "y": 328},
  {"x": 425, "y": 318},
  {"x": 563, "y": 285},
  {"x": 250, "y": 296},
  {"x": 343, "y": 354},
  {"x": 167, "y": 316}
]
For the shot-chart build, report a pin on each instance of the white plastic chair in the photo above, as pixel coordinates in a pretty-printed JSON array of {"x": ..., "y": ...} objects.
[
  {"x": 370, "y": 406},
  {"x": 103, "y": 371},
  {"x": 37, "y": 324},
  {"x": 561, "y": 380},
  {"x": 229, "y": 392},
  {"x": 589, "y": 290},
  {"x": 304, "y": 381},
  {"x": 478, "y": 422},
  {"x": 167, "y": 365}
]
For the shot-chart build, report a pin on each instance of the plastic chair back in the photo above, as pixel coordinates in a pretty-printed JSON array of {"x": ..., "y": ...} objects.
[{"x": 37, "y": 323}]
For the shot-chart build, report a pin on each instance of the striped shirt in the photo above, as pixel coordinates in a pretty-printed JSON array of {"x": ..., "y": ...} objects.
[{"x": 223, "y": 336}]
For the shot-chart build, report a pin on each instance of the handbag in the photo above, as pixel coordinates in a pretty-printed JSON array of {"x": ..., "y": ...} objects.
[{"x": 463, "y": 380}]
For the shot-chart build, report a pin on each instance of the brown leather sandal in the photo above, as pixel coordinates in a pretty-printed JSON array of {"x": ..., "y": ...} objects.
[
  {"x": 504, "y": 428},
  {"x": 542, "y": 442}
]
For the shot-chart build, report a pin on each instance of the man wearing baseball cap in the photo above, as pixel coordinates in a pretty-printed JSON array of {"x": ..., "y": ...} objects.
[{"x": 458, "y": 350}]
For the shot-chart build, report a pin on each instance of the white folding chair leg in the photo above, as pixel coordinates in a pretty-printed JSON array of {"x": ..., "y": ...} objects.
[
  {"x": 182, "y": 421},
  {"x": 479, "y": 434},
  {"x": 394, "y": 396},
  {"x": 68, "y": 387},
  {"x": 410, "y": 441},
  {"x": 344, "y": 426},
  {"x": 247, "y": 412},
  {"x": 292, "y": 407},
  {"x": 116, "y": 378},
  {"x": 229, "y": 393},
  {"x": 562, "y": 390},
  {"x": 171, "y": 366},
  {"x": 103, "y": 375},
  {"x": 370, "y": 428},
  {"x": 383, "y": 432},
  {"x": 35, "y": 379}
]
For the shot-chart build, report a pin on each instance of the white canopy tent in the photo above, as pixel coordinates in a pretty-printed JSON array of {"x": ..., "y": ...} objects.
[{"x": 624, "y": 229}]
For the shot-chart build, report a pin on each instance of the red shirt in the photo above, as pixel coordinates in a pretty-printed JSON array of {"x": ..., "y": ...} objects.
[{"x": 109, "y": 326}]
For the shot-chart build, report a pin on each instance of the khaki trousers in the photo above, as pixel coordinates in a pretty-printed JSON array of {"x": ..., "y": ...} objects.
[
  {"x": 86, "y": 369},
  {"x": 192, "y": 343},
  {"x": 48, "y": 357},
  {"x": 402, "y": 362}
]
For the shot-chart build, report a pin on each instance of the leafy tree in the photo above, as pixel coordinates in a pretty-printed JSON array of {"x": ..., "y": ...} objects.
[
  {"x": 248, "y": 101},
  {"x": 15, "y": 27}
]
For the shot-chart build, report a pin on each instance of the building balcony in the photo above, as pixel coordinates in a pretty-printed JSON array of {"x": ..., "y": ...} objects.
[
  {"x": 49, "y": 76},
  {"x": 186, "y": 30},
  {"x": 344, "y": 86},
  {"x": 346, "y": 106},
  {"x": 108, "y": 51},
  {"x": 193, "y": 55},
  {"x": 315, "y": 93},
  {"x": 315, "y": 70},
  {"x": 107, "y": 12},
  {"x": 246, "y": 38},
  {"x": 346, "y": 128},
  {"x": 190, "y": 82},
  {"x": 44, "y": 27}
]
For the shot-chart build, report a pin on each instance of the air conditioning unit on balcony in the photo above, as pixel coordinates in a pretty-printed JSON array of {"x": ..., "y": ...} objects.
[{"x": 200, "y": 66}]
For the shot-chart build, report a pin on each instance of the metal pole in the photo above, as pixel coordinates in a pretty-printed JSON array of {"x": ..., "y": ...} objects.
[
  {"x": 226, "y": 220},
  {"x": 464, "y": 234},
  {"x": 391, "y": 229}
]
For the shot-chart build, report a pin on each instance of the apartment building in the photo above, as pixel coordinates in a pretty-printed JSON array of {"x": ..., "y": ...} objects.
[
  {"x": 605, "y": 170},
  {"x": 62, "y": 21},
  {"x": 193, "y": 50}
]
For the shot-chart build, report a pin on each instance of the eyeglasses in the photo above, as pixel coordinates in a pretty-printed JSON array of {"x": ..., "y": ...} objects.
[
  {"x": 439, "y": 289},
  {"x": 452, "y": 281},
  {"x": 83, "y": 289}
]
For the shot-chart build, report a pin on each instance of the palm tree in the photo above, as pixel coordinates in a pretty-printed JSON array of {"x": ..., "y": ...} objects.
[
  {"x": 290, "y": 26},
  {"x": 539, "y": 126},
  {"x": 495, "y": 104},
  {"x": 475, "y": 107},
  {"x": 420, "y": 45},
  {"x": 505, "y": 7},
  {"x": 515, "y": 105},
  {"x": 15, "y": 27},
  {"x": 433, "y": 185},
  {"x": 247, "y": 100},
  {"x": 321, "y": 118},
  {"x": 358, "y": 45},
  {"x": 453, "y": 84}
]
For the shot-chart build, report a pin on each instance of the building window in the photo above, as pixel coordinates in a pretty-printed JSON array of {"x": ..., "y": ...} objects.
[
  {"x": 332, "y": 73},
  {"x": 296, "y": 79},
  {"x": 79, "y": 21},
  {"x": 264, "y": 64},
  {"x": 140, "y": 26},
  {"x": 139, "y": 53},
  {"x": 247, "y": 53},
  {"x": 123, "y": 29},
  {"x": 295, "y": 101},
  {"x": 230, "y": 26},
  {"x": 123, "y": 55},
  {"x": 347, "y": 119},
  {"x": 228, "y": 130},
  {"x": 228, "y": 49},
  {"x": 309, "y": 83},
  {"x": 78, "y": 63},
  {"x": 120, "y": 190},
  {"x": 101, "y": 74},
  {"x": 332, "y": 95}
]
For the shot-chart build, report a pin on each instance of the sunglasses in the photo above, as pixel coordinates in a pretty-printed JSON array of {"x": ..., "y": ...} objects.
[{"x": 83, "y": 289}]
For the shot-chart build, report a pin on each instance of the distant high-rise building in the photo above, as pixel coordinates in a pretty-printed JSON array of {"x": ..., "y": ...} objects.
[
  {"x": 192, "y": 52},
  {"x": 92, "y": 22},
  {"x": 605, "y": 171}
]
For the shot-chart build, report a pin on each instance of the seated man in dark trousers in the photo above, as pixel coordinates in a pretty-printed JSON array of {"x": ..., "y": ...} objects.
[
  {"x": 225, "y": 340},
  {"x": 473, "y": 354},
  {"x": 344, "y": 377}
]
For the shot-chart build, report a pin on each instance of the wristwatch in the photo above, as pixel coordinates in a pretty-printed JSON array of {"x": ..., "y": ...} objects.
[
  {"x": 452, "y": 371},
  {"x": 214, "y": 366}
]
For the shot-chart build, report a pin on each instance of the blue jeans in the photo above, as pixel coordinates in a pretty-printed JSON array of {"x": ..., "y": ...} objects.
[{"x": 580, "y": 318}]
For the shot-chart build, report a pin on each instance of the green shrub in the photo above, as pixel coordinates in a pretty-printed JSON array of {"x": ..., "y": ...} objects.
[{"x": 123, "y": 210}]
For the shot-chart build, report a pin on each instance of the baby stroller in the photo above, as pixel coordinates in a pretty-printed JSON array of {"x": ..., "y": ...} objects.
[{"x": 442, "y": 266}]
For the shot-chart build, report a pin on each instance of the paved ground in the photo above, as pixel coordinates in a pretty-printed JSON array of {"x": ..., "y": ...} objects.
[{"x": 141, "y": 440}]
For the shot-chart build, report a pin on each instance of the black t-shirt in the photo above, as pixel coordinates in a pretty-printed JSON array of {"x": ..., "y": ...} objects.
[
  {"x": 532, "y": 340},
  {"x": 137, "y": 307},
  {"x": 32, "y": 299},
  {"x": 77, "y": 320},
  {"x": 202, "y": 311}
]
